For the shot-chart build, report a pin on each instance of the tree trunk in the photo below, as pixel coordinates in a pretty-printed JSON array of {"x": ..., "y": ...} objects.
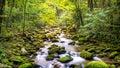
[
  {"x": 102, "y": 3},
  {"x": 2, "y": 3},
  {"x": 90, "y": 5},
  {"x": 24, "y": 16},
  {"x": 95, "y": 4}
]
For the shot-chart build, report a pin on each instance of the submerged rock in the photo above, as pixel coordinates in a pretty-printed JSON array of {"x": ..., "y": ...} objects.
[{"x": 50, "y": 57}]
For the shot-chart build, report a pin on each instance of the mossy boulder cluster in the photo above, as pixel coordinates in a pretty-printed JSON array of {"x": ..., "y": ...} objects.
[
  {"x": 19, "y": 47},
  {"x": 51, "y": 37},
  {"x": 65, "y": 59},
  {"x": 54, "y": 52},
  {"x": 96, "y": 64}
]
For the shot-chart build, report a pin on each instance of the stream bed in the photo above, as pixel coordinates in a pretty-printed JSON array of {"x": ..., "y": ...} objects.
[{"x": 70, "y": 51}]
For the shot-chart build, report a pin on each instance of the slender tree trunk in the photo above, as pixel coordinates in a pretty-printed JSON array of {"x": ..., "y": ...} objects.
[
  {"x": 78, "y": 15},
  {"x": 102, "y": 3},
  {"x": 109, "y": 3},
  {"x": 24, "y": 16},
  {"x": 90, "y": 5},
  {"x": 95, "y": 2},
  {"x": 2, "y": 3}
]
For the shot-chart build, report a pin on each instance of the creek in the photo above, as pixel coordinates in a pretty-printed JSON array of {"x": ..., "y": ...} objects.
[{"x": 70, "y": 51}]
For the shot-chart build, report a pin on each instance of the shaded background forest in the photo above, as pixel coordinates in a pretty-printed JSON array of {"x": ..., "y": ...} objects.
[{"x": 97, "y": 17}]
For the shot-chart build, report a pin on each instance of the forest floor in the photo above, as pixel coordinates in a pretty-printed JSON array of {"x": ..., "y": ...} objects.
[{"x": 16, "y": 49}]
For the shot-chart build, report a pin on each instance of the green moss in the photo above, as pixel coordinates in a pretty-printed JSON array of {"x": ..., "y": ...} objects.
[
  {"x": 86, "y": 55},
  {"x": 75, "y": 37},
  {"x": 25, "y": 65},
  {"x": 103, "y": 54},
  {"x": 65, "y": 59},
  {"x": 4, "y": 66},
  {"x": 54, "y": 40},
  {"x": 117, "y": 57},
  {"x": 113, "y": 54},
  {"x": 96, "y": 64},
  {"x": 91, "y": 49},
  {"x": 112, "y": 66},
  {"x": 118, "y": 67},
  {"x": 17, "y": 59},
  {"x": 81, "y": 41},
  {"x": 56, "y": 49},
  {"x": 72, "y": 43},
  {"x": 6, "y": 61},
  {"x": 50, "y": 57}
]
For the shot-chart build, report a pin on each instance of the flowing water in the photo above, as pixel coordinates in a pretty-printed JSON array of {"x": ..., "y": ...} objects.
[{"x": 70, "y": 50}]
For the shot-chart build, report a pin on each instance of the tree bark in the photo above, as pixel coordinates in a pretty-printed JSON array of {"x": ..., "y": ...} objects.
[
  {"x": 90, "y": 5},
  {"x": 95, "y": 4},
  {"x": 24, "y": 16}
]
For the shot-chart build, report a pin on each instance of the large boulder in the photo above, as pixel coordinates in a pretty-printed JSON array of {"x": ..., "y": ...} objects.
[{"x": 96, "y": 64}]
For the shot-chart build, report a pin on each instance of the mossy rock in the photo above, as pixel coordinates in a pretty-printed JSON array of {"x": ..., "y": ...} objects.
[
  {"x": 96, "y": 64},
  {"x": 50, "y": 57},
  {"x": 103, "y": 54},
  {"x": 112, "y": 66},
  {"x": 118, "y": 67},
  {"x": 72, "y": 43},
  {"x": 56, "y": 49},
  {"x": 113, "y": 54},
  {"x": 117, "y": 58},
  {"x": 65, "y": 59},
  {"x": 75, "y": 37},
  {"x": 4, "y": 66},
  {"x": 17, "y": 59},
  {"x": 80, "y": 43},
  {"x": 107, "y": 50},
  {"x": 75, "y": 66},
  {"x": 26, "y": 65},
  {"x": 86, "y": 54},
  {"x": 54, "y": 40},
  {"x": 6, "y": 61},
  {"x": 91, "y": 49}
]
